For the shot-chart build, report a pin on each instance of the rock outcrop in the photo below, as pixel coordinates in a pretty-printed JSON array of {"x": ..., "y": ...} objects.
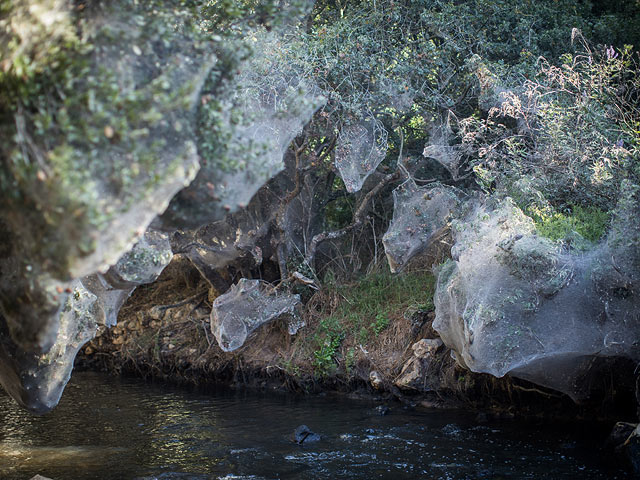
[
  {"x": 511, "y": 302},
  {"x": 417, "y": 373},
  {"x": 100, "y": 138}
]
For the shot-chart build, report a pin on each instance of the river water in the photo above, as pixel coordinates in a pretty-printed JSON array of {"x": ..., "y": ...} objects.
[{"x": 108, "y": 428}]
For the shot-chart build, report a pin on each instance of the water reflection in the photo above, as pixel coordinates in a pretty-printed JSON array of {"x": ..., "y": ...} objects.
[{"x": 106, "y": 428}]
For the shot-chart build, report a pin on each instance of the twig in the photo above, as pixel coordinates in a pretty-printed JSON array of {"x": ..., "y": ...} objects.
[
  {"x": 183, "y": 302},
  {"x": 533, "y": 389},
  {"x": 358, "y": 219}
]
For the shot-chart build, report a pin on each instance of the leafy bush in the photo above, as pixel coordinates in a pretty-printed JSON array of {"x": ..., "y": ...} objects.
[
  {"x": 328, "y": 339},
  {"x": 381, "y": 323},
  {"x": 590, "y": 222},
  {"x": 566, "y": 138}
]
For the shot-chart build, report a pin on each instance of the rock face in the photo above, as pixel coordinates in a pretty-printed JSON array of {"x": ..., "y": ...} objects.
[
  {"x": 124, "y": 84},
  {"x": 248, "y": 305},
  {"x": 415, "y": 373},
  {"x": 36, "y": 380},
  {"x": 419, "y": 215},
  {"x": 511, "y": 302}
]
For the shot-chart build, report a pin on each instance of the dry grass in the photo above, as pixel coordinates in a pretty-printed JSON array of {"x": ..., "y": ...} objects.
[{"x": 371, "y": 323}]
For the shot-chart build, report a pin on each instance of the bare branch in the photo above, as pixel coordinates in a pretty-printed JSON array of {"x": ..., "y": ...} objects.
[{"x": 358, "y": 219}]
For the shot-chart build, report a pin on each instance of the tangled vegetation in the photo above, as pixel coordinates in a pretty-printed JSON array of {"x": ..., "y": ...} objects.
[{"x": 266, "y": 140}]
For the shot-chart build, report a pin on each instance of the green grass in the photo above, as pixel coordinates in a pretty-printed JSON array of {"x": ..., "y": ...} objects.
[
  {"x": 382, "y": 294},
  {"x": 366, "y": 309}
]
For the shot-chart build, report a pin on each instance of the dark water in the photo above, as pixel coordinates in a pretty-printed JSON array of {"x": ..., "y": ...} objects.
[{"x": 106, "y": 428}]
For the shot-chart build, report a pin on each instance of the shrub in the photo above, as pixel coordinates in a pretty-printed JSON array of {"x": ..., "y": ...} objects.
[
  {"x": 571, "y": 132},
  {"x": 589, "y": 222}
]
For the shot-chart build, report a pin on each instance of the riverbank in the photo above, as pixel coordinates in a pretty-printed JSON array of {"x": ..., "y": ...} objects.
[{"x": 372, "y": 337}]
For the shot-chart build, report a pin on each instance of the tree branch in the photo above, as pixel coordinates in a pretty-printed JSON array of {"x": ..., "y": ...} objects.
[{"x": 358, "y": 219}]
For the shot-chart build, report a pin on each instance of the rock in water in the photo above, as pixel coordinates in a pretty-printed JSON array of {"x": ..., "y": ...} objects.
[
  {"x": 382, "y": 410},
  {"x": 303, "y": 434},
  {"x": 620, "y": 433}
]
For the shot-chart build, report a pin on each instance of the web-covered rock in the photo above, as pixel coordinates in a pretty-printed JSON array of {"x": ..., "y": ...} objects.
[
  {"x": 419, "y": 214},
  {"x": 511, "y": 302},
  {"x": 142, "y": 264},
  {"x": 360, "y": 149},
  {"x": 122, "y": 146},
  {"x": 245, "y": 307},
  {"x": 36, "y": 381}
]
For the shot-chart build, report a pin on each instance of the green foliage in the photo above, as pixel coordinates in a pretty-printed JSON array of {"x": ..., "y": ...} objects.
[
  {"x": 327, "y": 339},
  {"x": 366, "y": 309},
  {"x": 564, "y": 139},
  {"x": 382, "y": 60},
  {"x": 349, "y": 360},
  {"x": 339, "y": 213},
  {"x": 381, "y": 323},
  {"x": 590, "y": 222},
  {"x": 413, "y": 63},
  {"x": 511, "y": 35}
]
